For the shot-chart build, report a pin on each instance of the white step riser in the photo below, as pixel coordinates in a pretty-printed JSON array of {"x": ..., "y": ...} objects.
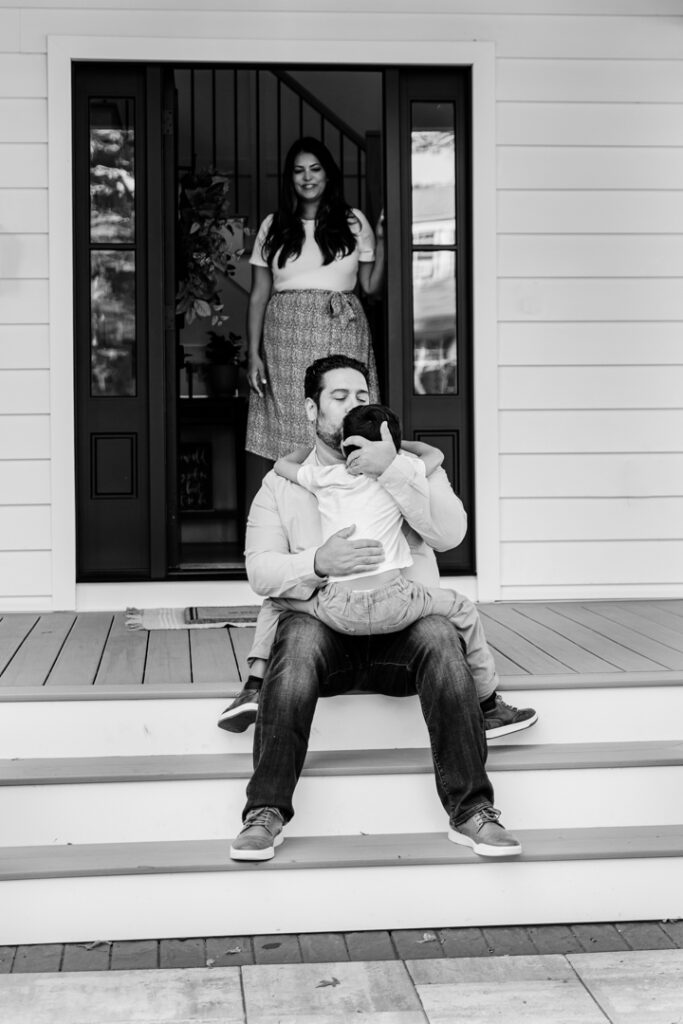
[
  {"x": 120, "y": 728},
  {"x": 334, "y": 805},
  {"x": 261, "y": 902}
]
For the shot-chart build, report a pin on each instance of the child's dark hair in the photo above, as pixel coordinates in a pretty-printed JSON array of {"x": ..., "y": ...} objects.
[{"x": 365, "y": 420}]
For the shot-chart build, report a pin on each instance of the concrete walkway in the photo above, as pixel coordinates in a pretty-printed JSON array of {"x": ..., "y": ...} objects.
[{"x": 626, "y": 987}]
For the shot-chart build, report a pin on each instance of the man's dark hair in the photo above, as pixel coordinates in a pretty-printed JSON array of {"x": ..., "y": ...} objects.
[
  {"x": 313, "y": 381},
  {"x": 365, "y": 421}
]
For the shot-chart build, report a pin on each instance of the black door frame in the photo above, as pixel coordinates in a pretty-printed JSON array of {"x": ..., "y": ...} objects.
[
  {"x": 455, "y": 437},
  {"x": 159, "y": 319}
]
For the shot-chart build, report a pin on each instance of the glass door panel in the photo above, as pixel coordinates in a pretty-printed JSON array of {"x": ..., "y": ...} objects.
[
  {"x": 112, "y": 325},
  {"x": 112, "y": 247},
  {"x": 433, "y": 204},
  {"x": 429, "y": 273}
]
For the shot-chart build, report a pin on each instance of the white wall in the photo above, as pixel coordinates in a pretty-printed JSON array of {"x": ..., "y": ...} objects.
[
  {"x": 25, "y": 534},
  {"x": 590, "y": 259}
]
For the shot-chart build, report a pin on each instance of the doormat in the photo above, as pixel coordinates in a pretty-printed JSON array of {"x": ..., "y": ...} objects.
[{"x": 192, "y": 618}]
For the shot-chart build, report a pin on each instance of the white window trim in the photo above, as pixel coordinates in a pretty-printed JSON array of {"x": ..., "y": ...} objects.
[{"x": 62, "y": 51}]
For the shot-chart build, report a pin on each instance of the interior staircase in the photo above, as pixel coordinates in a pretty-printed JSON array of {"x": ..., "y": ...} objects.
[{"x": 116, "y": 816}]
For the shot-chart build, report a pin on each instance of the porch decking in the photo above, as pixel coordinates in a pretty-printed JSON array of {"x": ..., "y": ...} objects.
[
  {"x": 549, "y": 644},
  {"x": 108, "y": 800}
]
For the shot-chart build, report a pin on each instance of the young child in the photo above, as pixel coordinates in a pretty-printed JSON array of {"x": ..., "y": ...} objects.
[{"x": 381, "y": 600}]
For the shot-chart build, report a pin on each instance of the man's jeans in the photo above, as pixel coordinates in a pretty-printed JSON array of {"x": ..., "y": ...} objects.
[
  {"x": 387, "y": 609},
  {"x": 309, "y": 660}
]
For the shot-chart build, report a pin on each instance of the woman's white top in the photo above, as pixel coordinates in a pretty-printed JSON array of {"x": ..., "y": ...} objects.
[{"x": 307, "y": 269}]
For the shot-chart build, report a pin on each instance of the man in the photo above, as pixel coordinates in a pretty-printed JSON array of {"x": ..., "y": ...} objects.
[{"x": 287, "y": 557}]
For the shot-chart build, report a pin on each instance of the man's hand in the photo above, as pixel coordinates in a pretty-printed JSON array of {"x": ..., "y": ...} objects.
[
  {"x": 339, "y": 556},
  {"x": 372, "y": 457}
]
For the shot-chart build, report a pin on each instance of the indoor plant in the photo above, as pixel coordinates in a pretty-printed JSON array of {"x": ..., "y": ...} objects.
[
  {"x": 224, "y": 357},
  {"x": 205, "y": 238}
]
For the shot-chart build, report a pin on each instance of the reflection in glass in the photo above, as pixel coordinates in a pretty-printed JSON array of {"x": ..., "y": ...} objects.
[
  {"x": 433, "y": 173},
  {"x": 112, "y": 171},
  {"x": 434, "y": 324},
  {"x": 433, "y": 222},
  {"x": 112, "y": 323}
]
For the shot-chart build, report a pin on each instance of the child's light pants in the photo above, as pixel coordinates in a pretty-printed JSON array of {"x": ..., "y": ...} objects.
[{"x": 387, "y": 609}]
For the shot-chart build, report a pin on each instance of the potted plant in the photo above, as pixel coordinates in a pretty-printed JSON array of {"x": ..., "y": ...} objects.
[
  {"x": 205, "y": 237},
  {"x": 224, "y": 357}
]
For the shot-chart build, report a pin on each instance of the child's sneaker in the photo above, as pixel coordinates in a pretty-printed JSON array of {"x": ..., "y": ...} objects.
[
  {"x": 239, "y": 715},
  {"x": 503, "y": 719}
]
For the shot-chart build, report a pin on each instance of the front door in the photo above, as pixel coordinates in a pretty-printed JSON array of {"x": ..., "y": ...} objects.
[
  {"x": 430, "y": 333},
  {"x": 161, "y": 403}
]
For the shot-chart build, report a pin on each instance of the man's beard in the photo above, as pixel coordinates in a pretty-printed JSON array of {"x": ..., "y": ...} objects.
[{"x": 331, "y": 438}]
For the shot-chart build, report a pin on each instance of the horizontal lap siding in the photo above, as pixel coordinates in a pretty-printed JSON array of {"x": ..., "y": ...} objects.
[
  {"x": 592, "y": 430},
  {"x": 590, "y": 264},
  {"x": 590, "y": 81},
  {"x": 593, "y": 256},
  {"x": 545, "y": 36},
  {"x": 25, "y": 483},
  {"x": 25, "y": 526},
  {"x": 593, "y": 563},
  {"x": 591, "y": 387},
  {"x": 591, "y": 211},
  {"x": 25, "y": 256},
  {"x": 605, "y": 519},
  {"x": 23, "y": 166},
  {"x": 586, "y": 344},
  {"x": 24, "y": 347},
  {"x": 591, "y": 168},
  {"x": 590, "y": 307},
  {"x": 616, "y": 475}
]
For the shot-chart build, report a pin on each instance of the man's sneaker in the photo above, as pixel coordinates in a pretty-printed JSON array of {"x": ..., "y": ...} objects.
[
  {"x": 485, "y": 834},
  {"x": 261, "y": 833},
  {"x": 503, "y": 719},
  {"x": 239, "y": 715}
]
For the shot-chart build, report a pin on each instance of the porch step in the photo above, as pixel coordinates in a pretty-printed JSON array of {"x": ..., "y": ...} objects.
[
  {"x": 522, "y": 757},
  {"x": 127, "y": 727},
  {"x": 192, "y": 797},
  {"x": 135, "y": 890}
]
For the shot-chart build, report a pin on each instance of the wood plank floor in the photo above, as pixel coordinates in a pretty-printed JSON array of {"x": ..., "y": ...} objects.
[{"x": 64, "y": 654}]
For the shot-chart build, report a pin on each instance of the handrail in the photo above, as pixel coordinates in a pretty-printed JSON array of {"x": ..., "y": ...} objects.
[{"x": 320, "y": 108}]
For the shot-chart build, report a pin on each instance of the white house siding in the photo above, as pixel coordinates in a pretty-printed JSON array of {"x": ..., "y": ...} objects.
[
  {"x": 25, "y": 530},
  {"x": 590, "y": 266}
]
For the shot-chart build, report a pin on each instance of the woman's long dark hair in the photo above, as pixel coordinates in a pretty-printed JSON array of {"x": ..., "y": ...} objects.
[{"x": 332, "y": 232}]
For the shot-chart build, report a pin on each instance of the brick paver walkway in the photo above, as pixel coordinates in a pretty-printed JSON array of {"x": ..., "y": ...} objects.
[{"x": 427, "y": 943}]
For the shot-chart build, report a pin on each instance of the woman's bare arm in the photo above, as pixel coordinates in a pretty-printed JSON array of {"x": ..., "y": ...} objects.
[{"x": 261, "y": 287}]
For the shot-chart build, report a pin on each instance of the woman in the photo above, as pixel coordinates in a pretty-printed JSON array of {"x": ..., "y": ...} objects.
[{"x": 307, "y": 259}]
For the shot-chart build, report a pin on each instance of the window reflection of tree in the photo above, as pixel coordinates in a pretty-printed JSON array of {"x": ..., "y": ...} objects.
[
  {"x": 112, "y": 289},
  {"x": 433, "y": 194},
  {"x": 112, "y": 185},
  {"x": 112, "y": 315}
]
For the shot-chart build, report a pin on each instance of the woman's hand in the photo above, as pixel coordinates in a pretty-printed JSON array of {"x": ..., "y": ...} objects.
[
  {"x": 371, "y": 275},
  {"x": 261, "y": 284},
  {"x": 256, "y": 375}
]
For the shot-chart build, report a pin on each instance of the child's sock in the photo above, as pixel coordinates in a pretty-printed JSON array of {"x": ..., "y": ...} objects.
[
  {"x": 253, "y": 683},
  {"x": 489, "y": 703}
]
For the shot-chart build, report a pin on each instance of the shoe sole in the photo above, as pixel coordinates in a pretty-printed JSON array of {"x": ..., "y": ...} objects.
[
  {"x": 505, "y": 730},
  {"x": 267, "y": 854},
  {"x": 239, "y": 720},
  {"x": 482, "y": 848}
]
